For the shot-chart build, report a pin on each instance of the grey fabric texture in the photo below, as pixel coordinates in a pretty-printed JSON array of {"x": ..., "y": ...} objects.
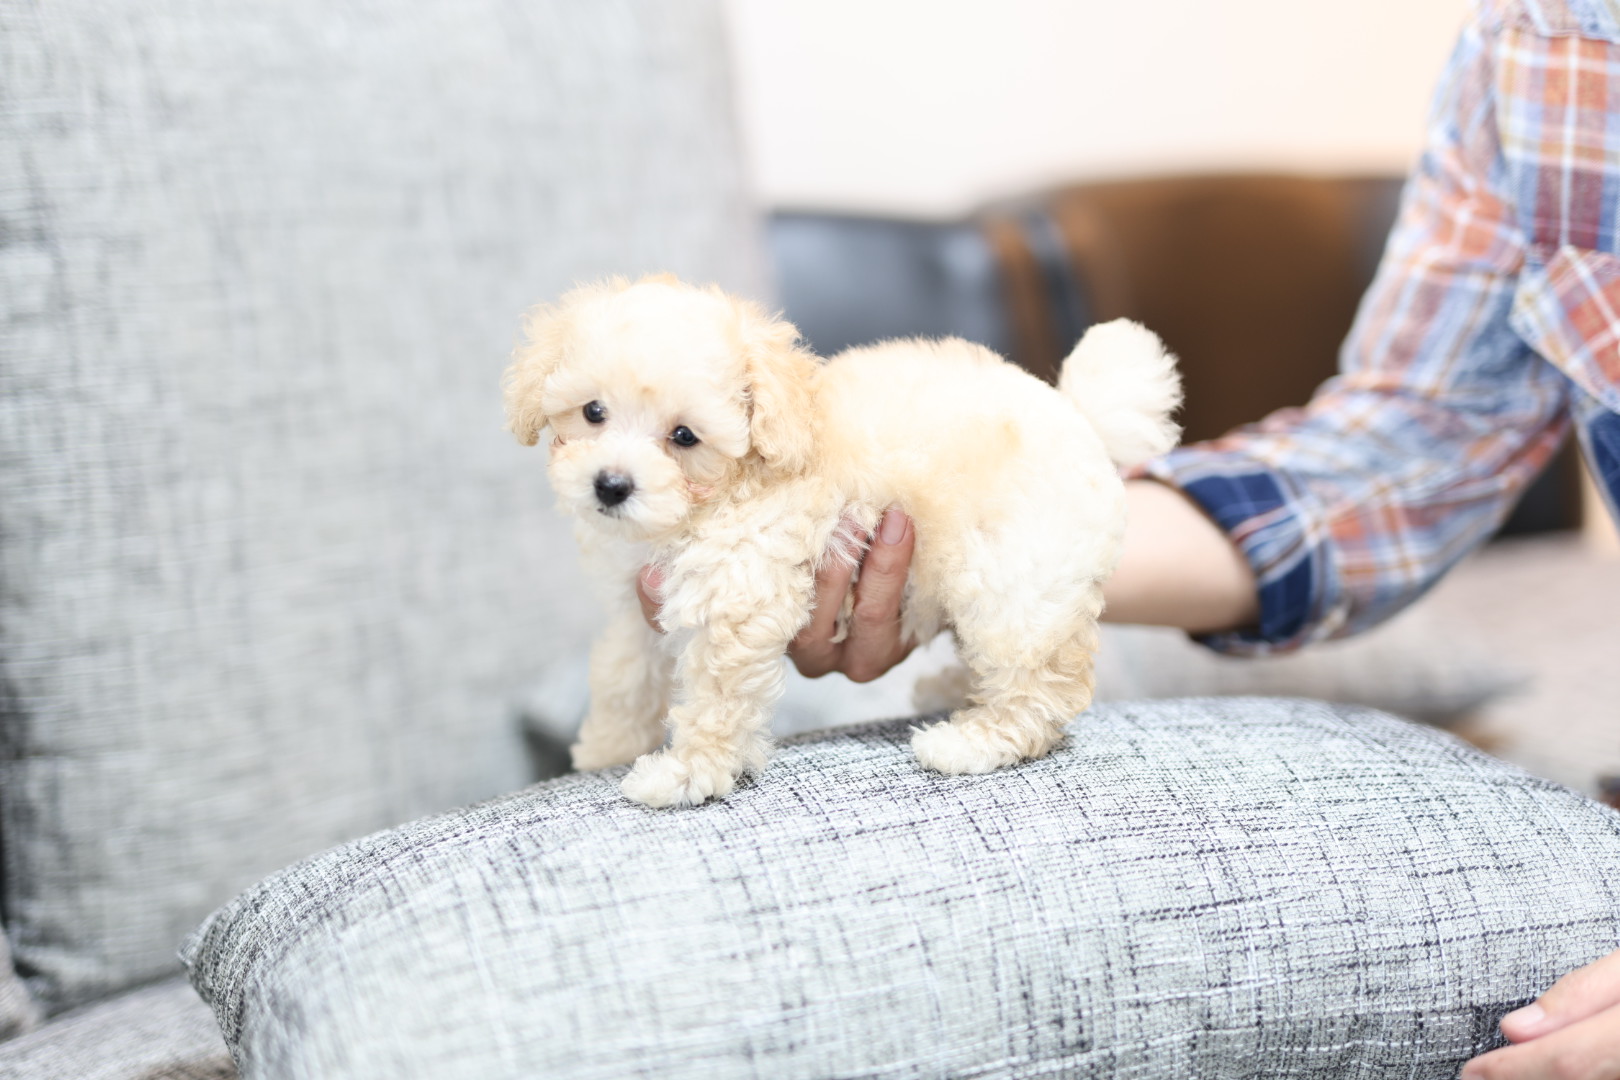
[
  {"x": 1201, "y": 888},
  {"x": 158, "y": 1032},
  {"x": 272, "y": 571},
  {"x": 18, "y": 1012}
]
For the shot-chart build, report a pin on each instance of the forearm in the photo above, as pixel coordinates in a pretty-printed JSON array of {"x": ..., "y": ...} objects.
[
  {"x": 1349, "y": 508},
  {"x": 1178, "y": 568}
]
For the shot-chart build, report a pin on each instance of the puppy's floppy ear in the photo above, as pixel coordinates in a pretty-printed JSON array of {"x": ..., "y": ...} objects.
[
  {"x": 544, "y": 330},
  {"x": 780, "y": 377}
]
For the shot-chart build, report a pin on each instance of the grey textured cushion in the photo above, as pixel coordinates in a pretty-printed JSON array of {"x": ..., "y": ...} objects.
[
  {"x": 1206, "y": 888},
  {"x": 18, "y": 1012},
  {"x": 158, "y": 1032},
  {"x": 273, "y": 572}
]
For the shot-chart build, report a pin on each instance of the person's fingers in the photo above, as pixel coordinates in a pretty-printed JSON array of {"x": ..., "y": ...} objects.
[
  {"x": 648, "y": 582},
  {"x": 874, "y": 644},
  {"x": 813, "y": 651},
  {"x": 1582, "y": 993},
  {"x": 1587, "y": 1049}
]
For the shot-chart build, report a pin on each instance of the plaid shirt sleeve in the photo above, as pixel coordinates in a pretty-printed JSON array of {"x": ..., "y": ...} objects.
[{"x": 1349, "y": 508}]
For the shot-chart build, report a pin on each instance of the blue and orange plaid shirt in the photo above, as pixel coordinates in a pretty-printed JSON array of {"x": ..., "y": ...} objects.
[{"x": 1492, "y": 325}]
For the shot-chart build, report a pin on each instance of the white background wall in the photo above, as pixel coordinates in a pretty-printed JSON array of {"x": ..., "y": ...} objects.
[{"x": 927, "y": 107}]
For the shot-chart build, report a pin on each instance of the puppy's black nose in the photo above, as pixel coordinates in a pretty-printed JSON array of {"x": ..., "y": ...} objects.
[{"x": 613, "y": 488}]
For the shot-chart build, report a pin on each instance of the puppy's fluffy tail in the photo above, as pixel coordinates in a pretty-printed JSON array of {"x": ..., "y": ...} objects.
[{"x": 1122, "y": 379}]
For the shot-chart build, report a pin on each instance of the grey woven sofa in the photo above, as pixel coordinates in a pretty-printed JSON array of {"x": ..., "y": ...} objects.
[
  {"x": 273, "y": 581},
  {"x": 272, "y": 576}
]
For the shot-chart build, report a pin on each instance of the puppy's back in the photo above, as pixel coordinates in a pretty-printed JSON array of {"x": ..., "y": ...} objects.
[{"x": 949, "y": 422}]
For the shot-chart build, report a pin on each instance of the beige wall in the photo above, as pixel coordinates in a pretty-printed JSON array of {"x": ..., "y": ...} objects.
[{"x": 930, "y": 106}]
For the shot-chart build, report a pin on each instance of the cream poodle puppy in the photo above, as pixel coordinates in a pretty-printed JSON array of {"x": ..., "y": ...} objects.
[{"x": 691, "y": 431}]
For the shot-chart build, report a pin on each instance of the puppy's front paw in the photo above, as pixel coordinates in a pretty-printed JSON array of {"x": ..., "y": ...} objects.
[
  {"x": 663, "y": 779},
  {"x": 956, "y": 750}
]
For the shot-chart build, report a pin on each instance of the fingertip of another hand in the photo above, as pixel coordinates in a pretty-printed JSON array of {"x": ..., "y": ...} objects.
[
  {"x": 1525, "y": 1023},
  {"x": 1481, "y": 1068}
]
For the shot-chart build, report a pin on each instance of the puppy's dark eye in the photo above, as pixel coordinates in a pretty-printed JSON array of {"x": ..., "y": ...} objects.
[
  {"x": 594, "y": 413},
  {"x": 682, "y": 436}
]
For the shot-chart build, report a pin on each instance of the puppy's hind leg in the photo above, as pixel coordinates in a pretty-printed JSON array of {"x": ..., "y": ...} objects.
[
  {"x": 630, "y": 677},
  {"x": 1018, "y": 707}
]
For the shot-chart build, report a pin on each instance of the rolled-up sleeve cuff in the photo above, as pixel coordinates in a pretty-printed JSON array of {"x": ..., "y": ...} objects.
[{"x": 1253, "y": 506}]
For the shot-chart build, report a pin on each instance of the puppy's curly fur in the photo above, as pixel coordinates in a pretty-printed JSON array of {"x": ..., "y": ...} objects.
[{"x": 691, "y": 431}]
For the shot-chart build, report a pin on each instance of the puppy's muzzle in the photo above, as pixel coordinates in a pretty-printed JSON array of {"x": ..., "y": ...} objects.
[{"x": 613, "y": 488}]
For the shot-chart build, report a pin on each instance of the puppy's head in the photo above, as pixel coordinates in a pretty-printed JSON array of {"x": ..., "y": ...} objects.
[{"x": 659, "y": 396}]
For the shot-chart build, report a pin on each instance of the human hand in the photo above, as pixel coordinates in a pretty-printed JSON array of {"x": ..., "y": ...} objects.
[
  {"x": 873, "y": 644},
  {"x": 1572, "y": 1032}
]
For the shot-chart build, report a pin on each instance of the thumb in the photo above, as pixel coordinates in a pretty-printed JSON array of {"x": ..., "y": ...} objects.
[{"x": 883, "y": 572}]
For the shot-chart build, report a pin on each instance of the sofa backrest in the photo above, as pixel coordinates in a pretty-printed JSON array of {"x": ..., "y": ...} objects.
[{"x": 271, "y": 572}]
